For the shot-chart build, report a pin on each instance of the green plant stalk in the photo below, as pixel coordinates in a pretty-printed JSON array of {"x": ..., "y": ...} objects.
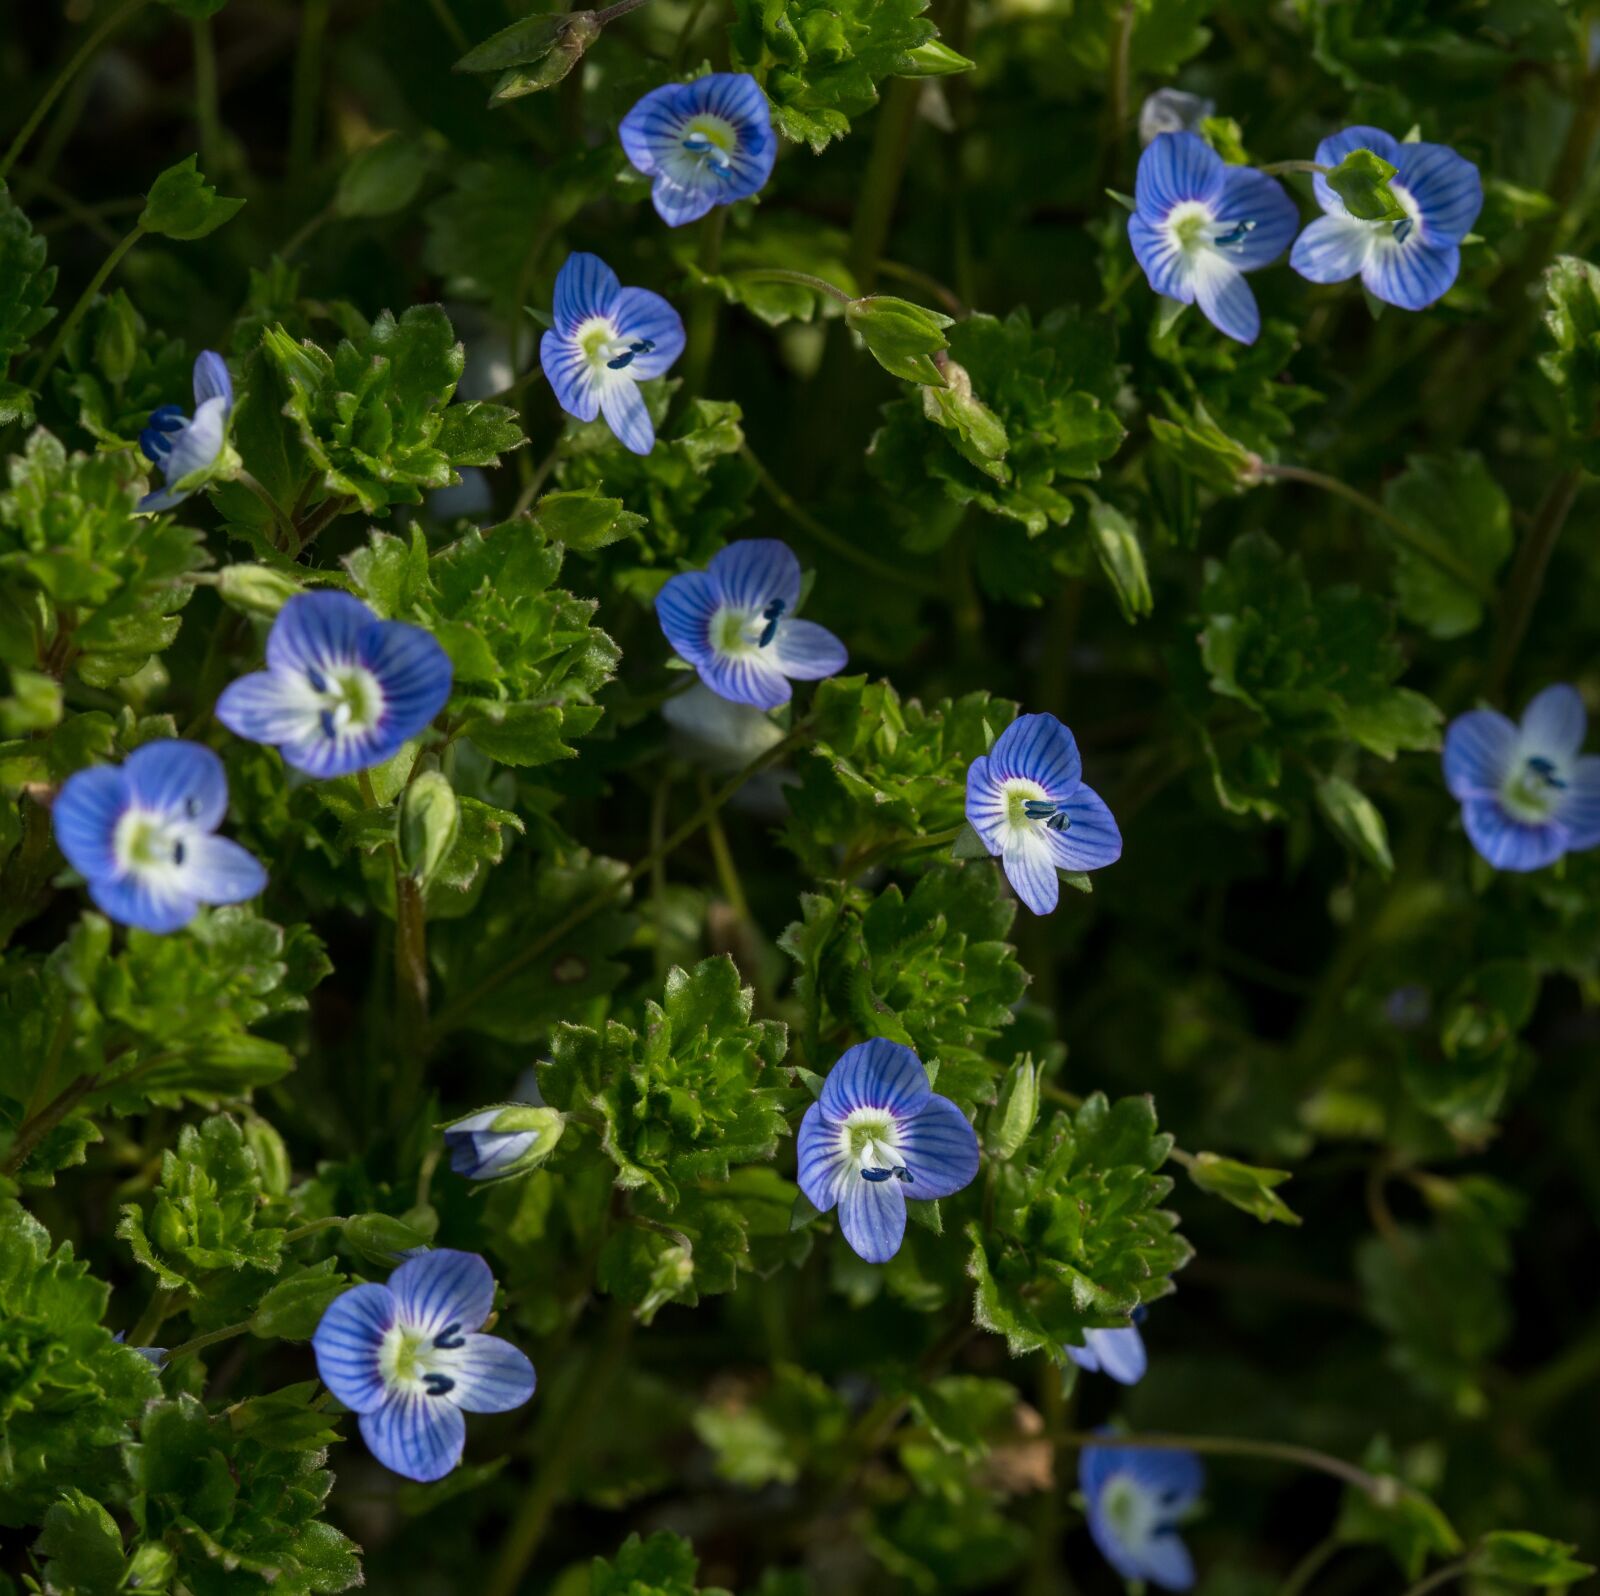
[
  {"x": 703, "y": 314},
  {"x": 881, "y": 187},
  {"x": 85, "y": 299},
  {"x": 722, "y": 857},
  {"x": 1526, "y": 580},
  {"x": 210, "y": 1338},
  {"x": 1440, "y": 1576},
  {"x": 306, "y": 90},
  {"x": 80, "y": 58},
  {"x": 208, "y": 117}
]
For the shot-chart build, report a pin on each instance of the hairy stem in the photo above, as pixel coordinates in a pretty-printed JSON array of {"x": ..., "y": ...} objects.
[
  {"x": 1526, "y": 581},
  {"x": 210, "y": 1338}
]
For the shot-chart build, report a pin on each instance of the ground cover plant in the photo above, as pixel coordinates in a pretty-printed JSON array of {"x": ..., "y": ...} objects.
[{"x": 795, "y": 797}]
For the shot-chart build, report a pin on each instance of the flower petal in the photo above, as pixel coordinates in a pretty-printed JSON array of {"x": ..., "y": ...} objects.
[
  {"x": 347, "y": 1343},
  {"x": 211, "y": 379},
  {"x": 1252, "y": 196},
  {"x": 1478, "y": 750},
  {"x": 1031, "y": 868},
  {"x": 1117, "y": 1353},
  {"x": 414, "y": 673},
  {"x": 1093, "y": 839},
  {"x": 986, "y": 804},
  {"x": 823, "y": 1159},
  {"x": 753, "y": 572},
  {"x": 749, "y": 678},
  {"x": 626, "y": 413},
  {"x": 1038, "y": 748},
  {"x": 85, "y": 817},
  {"x": 641, "y": 314},
  {"x": 875, "y": 1074},
  {"x": 872, "y": 1215},
  {"x": 1510, "y": 844},
  {"x": 1169, "y": 270},
  {"x": 1332, "y": 249},
  {"x": 685, "y": 607},
  {"x": 1164, "y": 1472},
  {"x": 443, "y": 1287},
  {"x": 272, "y": 707},
  {"x": 322, "y": 756},
  {"x": 197, "y": 446},
  {"x": 570, "y": 374},
  {"x": 1579, "y": 809},
  {"x": 807, "y": 652},
  {"x": 215, "y": 870},
  {"x": 1410, "y": 275},
  {"x": 653, "y": 130},
  {"x": 1554, "y": 723},
  {"x": 1333, "y": 149},
  {"x": 1177, "y": 167},
  {"x": 416, "y": 1435},
  {"x": 585, "y": 287},
  {"x": 179, "y": 780},
  {"x": 491, "y": 1375},
  {"x": 940, "y": 1148},
  {"x": 148, "y": 903},
  {"x": 680, "y": 198},
  {"x": 319, "y": 631},
  {"x": 1446, "y": 186},
  {"x": 1225, "y": 297}
]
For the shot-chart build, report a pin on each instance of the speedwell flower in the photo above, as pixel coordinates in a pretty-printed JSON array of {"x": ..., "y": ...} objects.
[
  {"x": 735, "y": 623},
  {"x": 342, "y": 690},
  {"x": 706, "y": 143},
  {"x": 606, "y": 340},
  {"x": 1117, "y": 1353},
  {"x": 1409, "y": 263},
  {"x": 188, "y": 447},
  {"x": 503, "y": 1141},
  {"x": 407, "y": 1358},
  {"x": 1199, "y": 224},
  {"x": 877, "y": 1135},
  {"x": 1527, "y": 795},
  {"x": 1136, "y": 1495},
  {"x": 1027, "y": 801},
  {"x": 1172, "y": 111},
  {"x": 142, "y": 836}
]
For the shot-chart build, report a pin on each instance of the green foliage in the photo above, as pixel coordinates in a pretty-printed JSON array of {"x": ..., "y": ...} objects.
[
  {"x": 26, "y": 284},
  {"x": 1571, "y": 314},
  {"x": 182, "y": 204},
  {"x": 663, "y": 1565},
  {"x": 903, "y": 338},
  {"x": 1361, "y": 180}
]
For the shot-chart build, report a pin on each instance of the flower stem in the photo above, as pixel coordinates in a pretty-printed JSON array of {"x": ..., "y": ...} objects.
[
  {"x": 453, "y": 1014},
  {"x": 881, "y": 187},
  {"x": 80, "y": 58},
  {"x": 163, "y": 1301},
  {"x": 1309, "y": 1566},
  {"x": 1279, "y": 168},
  {"x": 1526, "y": 581},
  {"x": 782, "y": 274},
  {"x": 210, "y": 1338},
  {"x": 1440, "y": 1576},
  {"x": 85, "y": 299},
  {"x": 311, "y": 1227},
  {"x": 702, "y": 341},
  {"x": 32, "y": 1131},
  {"x": 208, "y": 119},
  {"x": 1421, "y": 543},
  {"x": 306, "y": 90},
  {"x": 722, "y": 857},
  {"x": 620, "y": 9}
]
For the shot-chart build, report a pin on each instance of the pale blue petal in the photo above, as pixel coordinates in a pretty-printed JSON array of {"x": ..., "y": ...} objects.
[
  {"x": 136, "y": 900},
  {"x": 585, "y": 287},
  {"x": 318, "y": 631},
  {"x": 872, "y": 1215},
  {"x": 678, "y": 203},
  {"x": 347, "y": 1343},
  {"x": 685, "y": 607},
  {"x": 624, "y": 408},
  {"x": 414, "y": 673},
  {"x": 180, "y": 781},
  {"x": 1412, "y": 275},
  {"x": 1165, "y": 265},
  {"x": 1225, "y": 298},
  {"x": 1176, "y": 167},
  {"x": 443, "y": 1287},
  {"x": 322, "y": 756},
  {"x": 215, "y": 870},
  {"x": 1175, "y": 1477},
  {"x": 986, "y": 804},
  {"x": 1446, "y": 187},
  {"x": 754, "y": 572},
  {"x": 416, "y": 1435},
  {"x": 271, "y": 707},
  {"x": 85, "y": 817},
  {"x": 211, "y": 379},
  {"x": 1167, "y": 1563},
  {"x": 1478, "y": 749},
  {"x": 940, "y": 1149},
  {"x": 1252, "y": 196},
  {"x": 1092, "y": 840},
  {"x": 1119, "y": 1354},
  {"x": 570, "y": 375},
  {"x": 807, "y": 652},
  {"x": 1030, "y": 868},
  {"x": 1510, "y": 844},
  {"x": 196, "y": 446},
  {"x": 1554, "y": 723},
  {"x": 653, "y": 130},
  {"x": 1332, "y": 150},
  {"x": 1332, "y": 249},
  {"x": 161, "y": 499},
  {"x": 491, "y": 1375},
  {"x": 823, "y": 1161},
  {"x": 1038, "y": 748},
  {"x": 641, "y": 314},
  {"x": 875, "y": 1074},
  {"x": 1579, "y": 809},
  {"x": 749, "y": 678}
]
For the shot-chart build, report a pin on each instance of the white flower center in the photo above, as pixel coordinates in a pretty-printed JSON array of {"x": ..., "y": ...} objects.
[
  {"x": 870, "y": 1138},
  {"x": 149, "y": 845},
  {"x": 1133, "y": 1513},
  {"x": 710, "y": 142},
  {"x": 413, "y": 1363},
  {"x": 349, "y": 699},
  {"x": 744, "y": 631},
  {"x": 1534, "y": 789},
  {"x": 605, "y": 348},
  {"x": 1028, "y": 806},
  {"x": 1196, "y": 229}
]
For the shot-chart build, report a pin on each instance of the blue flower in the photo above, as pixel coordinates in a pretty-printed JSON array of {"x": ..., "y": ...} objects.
[
  {"x": 877, "y": 1135},
  {"x": 1117, "y": 1353},
  {"x": 705, "y": 143},
  {"x": 735, "y": 623},
  {"x": 155, "y": 1355},
  {"x": 342, "y": 690},
  {"x": 503, "y": 1141},
  {"x": 1527, "y": 795},
  {"x": 142, "y": 836},
  {"x": 407, "y": 1358},
  {"x": 606, "y": 340},
  {"x": 1199, "y": 224},
  {"x": 1136, "y": 1495},
  {"x": 186, "y": 448},
  {"x": 1408, "y": 263},
  {"x": 1027, "y": 801}
]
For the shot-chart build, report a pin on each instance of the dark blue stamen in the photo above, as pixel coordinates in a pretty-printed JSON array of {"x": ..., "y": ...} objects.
[
  {"x": 325, "y": 718},
  {"x": 1402, "y": 230},
  {"x": 772, "y": 614},
  {"x": 1546, "y": 772},
  {"x": 319, "y": 682},
  {"x": 438, "y": 1384},
  {"x": 902, "y": 1173},
  {"x": 876, "y": 1175},
  {"x": 1048, "y": 811},
  {"x": 191, "y": 807},
  {"x": 640, "y": 346},
  {"x": 1236, "y": 234},
  {"x": 700, "y": 144},
  {"x": 450, "y": 1338},
  {"x": 177, "y": 853},
  {"x": 153, "y": 441}
]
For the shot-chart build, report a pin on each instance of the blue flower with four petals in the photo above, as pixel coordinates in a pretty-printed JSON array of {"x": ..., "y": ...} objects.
[
  {"x": 706, "y": 143},
  {"x": 1527, "y": 795},
  {"x": 142, "y": 836},
  {"x": 186, "y": 447},
  {"x": 1027, "y": 802},
  {"x": 1408, "y": 263},
  {"x": 342, "y": 690},
  {"x": 735, "y": 623},
  {"x": 606, "y": 340},
  {"x": 1199, "y": 224},
  {"x": 408, "y": 1358},
  {"x": 1136, "y": 1496},
  {"x": 877, "y": 1135}
]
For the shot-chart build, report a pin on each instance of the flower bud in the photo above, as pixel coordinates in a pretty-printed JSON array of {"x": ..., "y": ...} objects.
[
  {"x": 503, "y": 1141},
  {"x": 430, "y": 820}
]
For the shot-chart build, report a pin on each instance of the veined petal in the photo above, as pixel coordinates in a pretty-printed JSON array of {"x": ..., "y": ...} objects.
[
  {"x": 1446, "y": 187},
  {"x": 416, "y": 1435},
  {"x": 807, "y": 652},
  {"x": 1169, "y": 270},
  {"x": 215, "y": 870},
  {"x": 1252, "y": 196},
  {"x": 1510, "y": 844},
  {"x": 340, "y": 755},
  {"x": 823, "y": 1160},
  {"x": 1164, "y": 1472},
  {"x": 1478, "y": 750},
  {"x": 1176, "y": 167},
  {"x": 1031, "y": 868},
  {"x": 491, "y": 1375},
  {"x": 413, "y": 671},
  {"x": 147, "y": 902},
  {"x": 197, "y": 446},
  {"x": 1332, "y": 249},
  {"x": 318, "y": 631},
  {"x": 679, "y": 201},
  {"x": 626, "y": 414},
  {"x": 182, "y": 781},
  {"x": 443, "y": 1287},
  {"x": 876, "y": 1074},
  {"x": 685, "y": 607},
  {"x": 1222, "y": 293},
  {"x": 347, "y": 1343},
  {"x": 749, "y": 678},
  {"x": 755, "y": 571},
  {"x": 1410, "y": 275},
  {"x": 161, "y": 499},
  {"x": 211, "y": 379},
  {"x": 1333, "y": 149},
  {"x": 585, "y": 287},
  {"x": 1118, "y": 1354},
  {"x": 1038, "y": 748},
  {"x": 272, "y": 707},
  {"x": 1579, "y": 809},
  {"x": 1167, "y": 1562},
  {"x": 1554, "y": 723},
  {"x": 872, "y": 1215},
  {"x": 642, "y": 314},
  {"x": 653, "y": 129},
  {"x": 940, "y": 1148},
  {"x": 570, "y": 375},
  {"x": 85, "y": 817},
  {"x": 986, "y": 804},
  {"x": 1092, "y": 840}
]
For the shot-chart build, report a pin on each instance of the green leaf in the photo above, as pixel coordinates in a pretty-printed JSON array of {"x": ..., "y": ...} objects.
[
  {"x": 430, "y": 822},
  {"x": 1244, "y": 1185},
  {"x": 1361, "y": 180},
  {"x": 293, "y": 1308},
  {"x": 1121, "y": 557},
  {"x": 1571, "y": 316},
  {"x": 584, "y": 520},
  {"x": 1356, "y": 822},
  {"x": 82, "y": 1542},
  {"x": 1527, "y": 1559},
  {"x": 534, "y": 53},
  {"x": 182, "y": 204},
  {"x": 664, "y": 1565},
  {"x": 1016, "y": 1109},
  {"x": 900, "y": 336},
  {"x": 26, "y": 284},
  {"x": 382, "y": 177},
  {"x": 1407, "y": 1523}
]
